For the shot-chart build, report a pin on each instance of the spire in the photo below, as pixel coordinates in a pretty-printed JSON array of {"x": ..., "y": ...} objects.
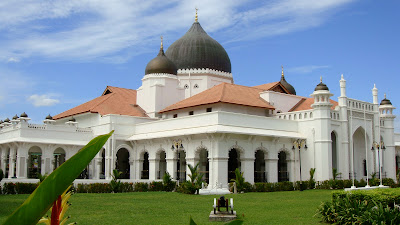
[
  {"x": 342, "y": 77},
  {"x": 162, "y": 48},
  {"x": 384, "y": 95},
  {"x": 195, "y": 18},
  {"x": 320, "y": 78},
  {"x": 283, "y": 76}
]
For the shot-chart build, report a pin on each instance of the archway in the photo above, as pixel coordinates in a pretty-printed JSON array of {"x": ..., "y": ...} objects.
[
  {"x": 145, "y": 166},
  {"x": 283, "y": 174},
  {"x": 233, "y": 163},
  {"x": 162, "y": 164},
  {"x": 359, "y": 153},
  {"x": 204, "y": 164},
  {"x": 122, "y": 163},
  {"x": 334, "y": 150},
  {"x": 35, "y": 162},
  {"x": 181, "y": 166},
  {"x": 59, "y": 157},
  {"x": 259, "y": 167}
]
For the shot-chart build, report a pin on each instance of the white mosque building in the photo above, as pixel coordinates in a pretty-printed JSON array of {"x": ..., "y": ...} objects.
[{"x": 188, "y": 111}]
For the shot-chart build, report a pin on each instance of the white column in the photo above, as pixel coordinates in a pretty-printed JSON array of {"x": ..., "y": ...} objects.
[
  {"x": 272, "y": 165},
  {"x": 153, "y": 169},
  {"x": 22, "y": 163},
  {"x": 221, "y": 172},
  {"x": 3, "y": 158},
  {"x": 108, "y": 169},
  {"x": 132, "y": 170},
  {"x": 247, "y": 167},
  {"x": 97, "y": 166},
  {"x": 11, "y": 162}
]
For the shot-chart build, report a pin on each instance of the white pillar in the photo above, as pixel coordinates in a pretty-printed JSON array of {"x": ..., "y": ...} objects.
[
  {"x": 171, "y": 165},
  {"x": 3, "y": 158},
  {"x": 221, "y": 172},
  {"x": 153, "y": 169},
  {"x": 247, "y": 167},
  {"x": 190, "y": 161},
  {"x": 272, "y": 165},
  {"x": 11, "y": 163}
]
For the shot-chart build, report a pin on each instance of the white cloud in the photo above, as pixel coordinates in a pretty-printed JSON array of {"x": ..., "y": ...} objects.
[
  {"x": 306, "y": 69},
  {"x": 42, "y": 100},
  {"x": 100, "y": 29},
  {"x": 13, "y": 60}
]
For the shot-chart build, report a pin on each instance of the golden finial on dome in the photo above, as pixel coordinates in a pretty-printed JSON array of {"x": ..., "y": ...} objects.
[
  {"x": 196, "y": 19},
  {"x": 162, "y": 47},
  {"x": 385, "y": 95},
  {"x": 320, "y": 78},
  {"x": 282, "y": 72}
]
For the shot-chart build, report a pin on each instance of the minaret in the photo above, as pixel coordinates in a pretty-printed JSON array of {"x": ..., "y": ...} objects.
[
  {"x": 322, "y": 122},
  {"x": 343, "y": 165},
  {"x": 387, "y": 132}
]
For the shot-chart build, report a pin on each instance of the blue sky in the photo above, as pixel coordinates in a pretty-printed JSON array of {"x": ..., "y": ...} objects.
[{"x": 55, "y": 55}]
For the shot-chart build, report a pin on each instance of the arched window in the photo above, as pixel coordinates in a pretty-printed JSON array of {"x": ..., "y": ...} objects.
[
  {"x": 122, "y": 163},
  {"x": 233, "y": 163},
  {"x": 259, "y": 167},
  {"x": 283, "y": 174}
]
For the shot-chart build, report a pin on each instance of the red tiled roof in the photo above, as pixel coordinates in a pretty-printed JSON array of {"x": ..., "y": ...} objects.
[
  {"x": 305, "y": 104},
  {"x": 114, "y": 100},
  {"x": 225, "y": 93},
  {"x": 274, "y": 86}
]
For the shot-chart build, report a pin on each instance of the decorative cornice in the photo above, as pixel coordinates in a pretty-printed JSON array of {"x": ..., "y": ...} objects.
[{"x": 204, "y": 71}]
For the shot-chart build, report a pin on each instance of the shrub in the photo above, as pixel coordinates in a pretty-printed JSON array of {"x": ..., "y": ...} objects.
[
  {"x": 9, "y": 189},
  {"x": 389, "y": 182},
  {"x": 99, "y": 188},
  {"x": 260, "y": 187},
  {"x": 311, "y": 181},
  {"x": 156, "y": 186},
  {"x": 126, "y": 187},
  {"x": 168, "y": 183},
  {"x": 362, "y": 183},
  {"x": 362, "y": 207},
  {"x": 186, "y": 187},
  {"x": 25, "y": 188},
  {"x": 1, "y": 174},
  {"x": 82, "y": 188},
  {"x": 284, "y": 186},
  {"x": 141, "y": 187}
]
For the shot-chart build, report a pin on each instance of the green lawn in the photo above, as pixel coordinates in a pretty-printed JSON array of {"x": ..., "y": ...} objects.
[{"x": 292, "y": 207}]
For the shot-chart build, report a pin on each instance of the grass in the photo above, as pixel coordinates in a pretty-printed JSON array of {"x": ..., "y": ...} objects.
[{"x": 292, "y": 207}]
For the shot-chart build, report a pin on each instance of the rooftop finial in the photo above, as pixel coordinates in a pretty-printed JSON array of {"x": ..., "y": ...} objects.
[
  {"x": 162, "y": 47},
  {"x": 342, "y": 77},
  {"x": 385, "y": 95},
  {"x": 320, "y": 79},
  {"x": 374, "y": 85},
  {"x": 282, "y": 72},
  {"x": 196, "y": 19}
]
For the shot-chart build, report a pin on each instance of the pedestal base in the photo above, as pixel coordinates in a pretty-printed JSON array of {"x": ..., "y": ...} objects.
[{"x": 222, "y": 216}]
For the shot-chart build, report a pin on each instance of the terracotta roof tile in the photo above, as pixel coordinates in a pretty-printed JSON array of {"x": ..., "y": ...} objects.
[
  {"x": 305, "y": 104},
  {"x": 225, "y": 93},
  {"x": 114, "y": 100}
]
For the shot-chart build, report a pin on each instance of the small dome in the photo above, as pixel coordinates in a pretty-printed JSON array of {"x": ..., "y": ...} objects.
[
  {"x": 48, "y": 117},
  {"x": 386, "y": 101},
  {"x": 7, "y": 120},
  {"x": 197, "y": 50},
  {"x": 72, "y": 119},
  {"x": 1, "y": 121},
  {"x": 161, "y": 64},
  {"x": 24, "y": 115},
  {"x": 321, "y": 87},
  {"x": 288, "y": 86},
  {"x": 15, "y": 117}
]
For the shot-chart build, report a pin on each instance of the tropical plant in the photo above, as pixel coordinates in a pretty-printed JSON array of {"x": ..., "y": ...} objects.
[
  {"x": 168, "y": 183},
  {"x": 397, "y": 176},
  {"x": 48, "y": 192},
  {"x": 41, "y": 177},
  {"x": 2, "y": 174},
  {"x": 115, "y": 183},
  {"x": 311, "y": 182},
  {"x": 335, "y": 173},
  {"x": 196, "y": 178},
  {"x": 241, "y": 184},
  {"x": 58, "y": 210}
]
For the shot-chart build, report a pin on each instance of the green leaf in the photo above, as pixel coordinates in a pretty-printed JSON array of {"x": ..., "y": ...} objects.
[
  {"x": 235, "y": 222},
  {"x": 40, "y": 201},
  {"x": 192, "y": 222}
]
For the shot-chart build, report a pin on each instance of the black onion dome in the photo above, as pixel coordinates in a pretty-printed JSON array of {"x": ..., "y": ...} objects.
[
  {"x": 24, "y": 115},
  {"x": 1, "y": 121},
  {"x": 321, "y": 87},
  {"x": 386, "y": 101},
  {"x": 288, "y": 86},
  {"x": 161, "y": 64},
  {"x": 48, "y": 117},
  {"x": 72, "y": 119},
  {"x": 197, "y": 50},
  {"x": 15, "y": 117},
  {"x": 7, "y": 120}
]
